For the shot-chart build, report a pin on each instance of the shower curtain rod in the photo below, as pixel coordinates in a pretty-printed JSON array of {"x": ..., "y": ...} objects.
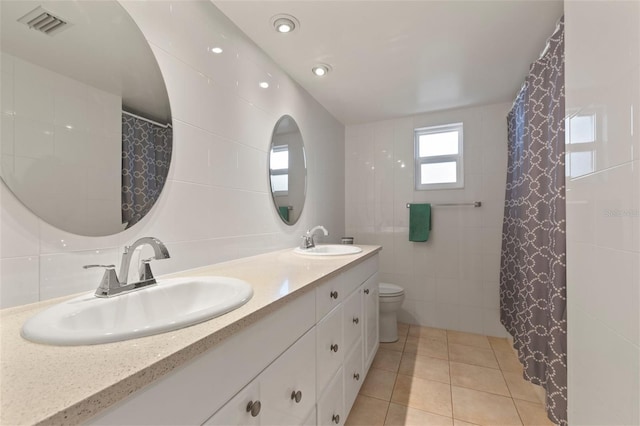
[
  {"x": 474, "y": 204},
  {"x": 146, "y": 119}
]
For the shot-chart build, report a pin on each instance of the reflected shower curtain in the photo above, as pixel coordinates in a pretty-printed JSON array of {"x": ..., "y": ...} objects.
[
  {"x": 146, "y": 154},
  {"x": 533, "y": 261}
]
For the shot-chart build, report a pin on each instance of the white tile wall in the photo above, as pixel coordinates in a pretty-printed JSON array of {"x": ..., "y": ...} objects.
[
  {"x": 603, "y": 216},
  {"x": 216, "y": 205},
  {"x": 452, "y": 280}
]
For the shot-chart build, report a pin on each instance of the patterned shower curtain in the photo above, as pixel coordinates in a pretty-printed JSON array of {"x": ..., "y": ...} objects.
[
  {"x": 533, "y": 263},
  {"x": 146, "y": 154}
]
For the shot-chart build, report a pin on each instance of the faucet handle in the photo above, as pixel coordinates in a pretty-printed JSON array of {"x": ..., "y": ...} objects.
[
  {"x": 109, "y": 280},
  {"x": 145, "y": 271}
]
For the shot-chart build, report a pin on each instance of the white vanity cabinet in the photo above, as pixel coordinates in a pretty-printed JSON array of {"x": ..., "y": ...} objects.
[
  {"x": 283, "y": 394},
  {"x": 302, "y": 364}
]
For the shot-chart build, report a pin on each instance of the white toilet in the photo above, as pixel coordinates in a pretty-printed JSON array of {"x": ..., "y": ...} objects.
[{"x": 391, "y": 298}]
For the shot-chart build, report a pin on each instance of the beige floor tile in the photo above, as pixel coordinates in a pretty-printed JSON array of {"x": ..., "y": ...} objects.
[
  {"x": 457, "y": 422},
  {"x": 426, "y": 395},
  {"x": 521, "y": 388},
  {"x": 478, "y": 378},
  {"x": 508, "y": 361},
  {"x": 532, "y": 414},
  {"x": 469, "y": 339},
  {"x": 403, "y": 329},
  {"x": 425, "y": 367},
  {"x": 500, "y": 344},
  {"x": 367, "y": 411},
  {"x": 427, "y": 347},
  {"x": 471, "y": 355},
  {"x": 400, "y": 415},
  {"x": 395, "y": 346},
  {"x": 387, "y": 360},
  {"x": 378, "y": 384},
  {"x": 428, "y": 333},
  {"x": 483, "y": 408}
]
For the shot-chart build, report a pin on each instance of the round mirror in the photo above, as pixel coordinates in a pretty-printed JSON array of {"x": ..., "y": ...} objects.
[
  {"x": 287, "y": 170},
  {"x": 86, "y": 124}
]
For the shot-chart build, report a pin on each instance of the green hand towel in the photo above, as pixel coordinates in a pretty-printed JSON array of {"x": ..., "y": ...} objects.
[
  {"x": 419, "y": 222},
  {"x": 284, "y": 213}
]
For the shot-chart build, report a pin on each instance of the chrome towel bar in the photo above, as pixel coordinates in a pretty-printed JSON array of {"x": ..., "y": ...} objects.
[{"x": 474, "y": 204}]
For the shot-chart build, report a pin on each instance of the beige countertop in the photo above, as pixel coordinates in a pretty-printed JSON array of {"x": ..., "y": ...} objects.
[{"x": 41, "y": 384}]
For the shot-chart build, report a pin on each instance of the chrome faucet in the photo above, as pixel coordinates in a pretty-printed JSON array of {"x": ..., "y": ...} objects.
[
  {"x": 111, "y": 286},
  {"x": 307, "y": 239}
]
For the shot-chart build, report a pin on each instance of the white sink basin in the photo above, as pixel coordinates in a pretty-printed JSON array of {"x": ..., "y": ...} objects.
[
  {"x": 329, "y": 250},
  {"x": 169, "y": 305}
]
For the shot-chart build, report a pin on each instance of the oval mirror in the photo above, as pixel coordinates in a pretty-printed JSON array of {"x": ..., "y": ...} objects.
[
  {"x": 287, "y": 170},
  {"x": 86, "y": 124}
]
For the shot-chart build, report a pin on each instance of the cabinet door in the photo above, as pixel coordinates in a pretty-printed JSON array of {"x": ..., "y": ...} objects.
[
  {"x": 329, "y": 348},
  {"x": 242, "y": 409},
  {"x": 353, "y": 320},
  {"x": 371, "y": 313},
  {"x": 329, "y": 295},
  {"x": 353, "y": 376},
  {"x": 288, "y": 386},
  {"x": 331, "y": 404}
]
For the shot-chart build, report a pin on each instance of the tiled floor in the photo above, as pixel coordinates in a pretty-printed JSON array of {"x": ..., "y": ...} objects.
[{"x": 441, "y": 377}]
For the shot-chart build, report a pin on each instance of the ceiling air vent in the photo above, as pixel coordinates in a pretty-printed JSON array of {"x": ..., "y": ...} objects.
[{"x": 46, "y": 22}]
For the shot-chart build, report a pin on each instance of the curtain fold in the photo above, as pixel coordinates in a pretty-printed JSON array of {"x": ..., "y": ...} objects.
[
  {"x": 533, "y": 260},
  {"x": 146, "y": 155}
]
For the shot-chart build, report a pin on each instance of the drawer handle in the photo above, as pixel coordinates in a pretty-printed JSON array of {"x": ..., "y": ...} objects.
[
  {"x": 336, "y": 418},
  {"x": 253, "y": 407},
  {"x": 296, "y": 396},
  {"x": 356, "y": 320},
  {"x": 366, "y": 291},
  {"x": 333, "y": 294},
  {"x": 334, "y": 347},
  {"x": 356, "y": 376}
]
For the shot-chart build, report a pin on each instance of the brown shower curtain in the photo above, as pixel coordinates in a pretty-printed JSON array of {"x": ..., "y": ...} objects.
[{"x": 533, "y": 262}]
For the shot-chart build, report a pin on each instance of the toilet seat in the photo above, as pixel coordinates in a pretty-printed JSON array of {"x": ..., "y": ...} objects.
[{"x": 390, "y": 290}]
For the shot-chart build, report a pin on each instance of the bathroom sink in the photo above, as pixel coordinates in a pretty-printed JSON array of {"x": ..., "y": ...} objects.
[
  {"x": 329, "y": 250},
  {"x": 169, "y": 305}
]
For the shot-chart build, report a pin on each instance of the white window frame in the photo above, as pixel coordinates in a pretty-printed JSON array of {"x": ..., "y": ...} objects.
[{"x": 435, "y": 159}]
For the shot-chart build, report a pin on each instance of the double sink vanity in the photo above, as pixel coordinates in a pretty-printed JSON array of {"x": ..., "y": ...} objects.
[{"x": 295, "y": 351}]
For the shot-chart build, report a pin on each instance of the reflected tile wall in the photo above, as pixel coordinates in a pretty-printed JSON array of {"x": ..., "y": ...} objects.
[
  {"x": 216, "y": 205},
  {"x": 603, "y": 214},
  {"x": 452, "y": 280}
]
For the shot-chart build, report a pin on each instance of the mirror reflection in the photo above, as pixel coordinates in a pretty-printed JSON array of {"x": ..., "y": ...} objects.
[
  {"x": 86, "y": 124},
  {"x": 287, "y": 170}
]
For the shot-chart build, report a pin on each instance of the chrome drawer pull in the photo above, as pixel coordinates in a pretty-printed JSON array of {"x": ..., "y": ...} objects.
[
  {"x": 296, "y": 396},
  {"x": 366, "y": 291},
  {"x": 253, "y": 407},
  {"x": 334, "y": 347},
  {"x": 333, "y": 294},
  {"x": 336, "y": 418},
  {"x": 356, "y": 376},
  {"x": 356, "y": 320}
]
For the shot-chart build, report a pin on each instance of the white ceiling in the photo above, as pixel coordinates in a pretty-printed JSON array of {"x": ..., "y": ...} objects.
[{"x": 396, "y": 58}]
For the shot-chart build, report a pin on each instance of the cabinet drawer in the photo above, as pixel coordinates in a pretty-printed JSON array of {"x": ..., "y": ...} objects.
[
  {"x": 288, "y": 386},
  {"x": 239, "y": 410},
  {"x": 331, "y": 404},
  {"x": 328, "y": 296},
  {"x": 329, "y": 347},
  {"x": 353, "y": 320},
  {"x": 353, "y": 376}
]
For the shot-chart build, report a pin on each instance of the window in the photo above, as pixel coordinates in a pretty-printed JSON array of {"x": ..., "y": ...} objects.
[
  {"x": 581, "y": 139},
  {"x": 438, "y": 154},
  {"x": 279, "y": 169}
]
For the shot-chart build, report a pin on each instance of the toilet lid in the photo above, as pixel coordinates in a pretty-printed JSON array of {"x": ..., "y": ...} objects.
[{"x": 387, "y": 289}]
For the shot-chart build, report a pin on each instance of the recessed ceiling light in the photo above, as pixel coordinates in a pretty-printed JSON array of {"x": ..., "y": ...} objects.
[
  {"x": 321, "y": 70},
  {"x": 263, "y": 84},
  {"x": 284, "y": 23},
  {"x": 216, "y": 50}
]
